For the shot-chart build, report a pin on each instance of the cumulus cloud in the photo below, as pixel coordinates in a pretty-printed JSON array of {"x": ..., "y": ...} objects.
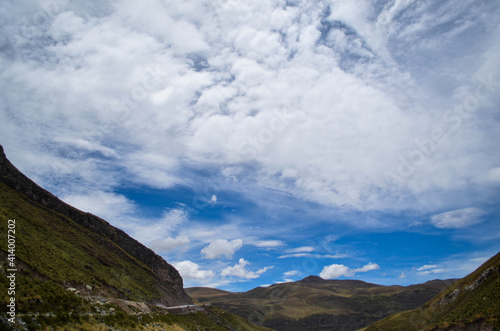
[
  {"x": 191, "y": 270},
  {"x": 459, "y": 218},
  {"x": 239, "y": 270},
  {"x": 350, "y": 83},
  {"x": 340, "y": 270},
  {"x": 168, "y": 244},
  {"x": 222, "y": 247},
  {"x": 336, "y": 271}
]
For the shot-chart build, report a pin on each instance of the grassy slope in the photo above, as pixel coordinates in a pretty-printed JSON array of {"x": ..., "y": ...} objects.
[
  {"x": 56, "y": 248},
  {"x": 330, "y": 301},
  {"x": 479, "y": 305}
]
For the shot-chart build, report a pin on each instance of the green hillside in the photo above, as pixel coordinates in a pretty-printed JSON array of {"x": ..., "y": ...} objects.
[
  {"x": 317, "y": 304},
  {"x": 472, "y": 303},
  {"x": 54, "y": 247}
]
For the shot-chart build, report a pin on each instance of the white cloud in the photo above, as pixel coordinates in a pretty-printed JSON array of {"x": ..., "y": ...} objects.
[
  {"x": 368, "y": 267},
  {"x": 291, "y": 273},
  {"x": 402, "y": 276},
  {"x": 459, "y": 218},
  {"x": 427, "y": 267},
  {"x": 336, "y": 271},
  {"x": 107, "y": 205},
  {"x": 153, "y": 229},
  {"x": 168, "y": 244},
  {"x": 243, "y": 63},
  {"x": 432, "y": 269},
  {"x": 222, "y": 247},
  {"x": 269, "y": 243},
  {"x": 494, "y": 175},
  {"x": 340, "y": 270},
  {"x": 191, "y": 270},
  {"x": 303, "y": 249},
  {"x": 313, "y": 256},
  {"x": 239, "y": 270}
]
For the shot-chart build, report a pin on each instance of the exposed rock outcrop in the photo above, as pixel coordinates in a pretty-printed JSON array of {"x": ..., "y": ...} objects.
[{"x": 449, "y": 298}]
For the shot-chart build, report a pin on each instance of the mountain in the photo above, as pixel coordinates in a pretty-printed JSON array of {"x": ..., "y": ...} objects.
[
  {"x": 470, "y": 304},
  {"x": 73, "y": 269},
  {"x": 317, "y": 304}
]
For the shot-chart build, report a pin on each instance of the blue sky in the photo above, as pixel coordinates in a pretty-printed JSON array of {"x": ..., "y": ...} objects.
[{"x": 256, "y": 143}]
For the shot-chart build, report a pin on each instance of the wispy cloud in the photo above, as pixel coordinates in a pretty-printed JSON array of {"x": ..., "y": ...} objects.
[
  {"x": 460, "y": 218},
  {"x": 270, "y": 243},
  {"x": 314, "y": 256},
  {"x": 303, "y": 249}
]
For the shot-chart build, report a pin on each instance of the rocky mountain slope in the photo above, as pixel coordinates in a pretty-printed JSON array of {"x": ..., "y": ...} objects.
[
  {"x": 62, "y": 243},
  {"x": 74, "y": 271},
  {"x": 470, "y": 304},
  {"x": 317, "y": 304}
]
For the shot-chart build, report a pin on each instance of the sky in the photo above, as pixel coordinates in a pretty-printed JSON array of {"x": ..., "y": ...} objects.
[{"x": 253, "y": 143}]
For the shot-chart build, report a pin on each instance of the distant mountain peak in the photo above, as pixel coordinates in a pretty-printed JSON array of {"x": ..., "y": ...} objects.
[{"x": 312, "y": 279}]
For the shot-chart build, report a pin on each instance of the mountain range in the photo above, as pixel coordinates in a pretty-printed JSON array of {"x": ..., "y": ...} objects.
[{"x": 317, "y": 304}]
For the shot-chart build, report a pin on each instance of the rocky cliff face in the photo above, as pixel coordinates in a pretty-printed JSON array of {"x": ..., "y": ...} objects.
[{"x": 172, "y": 285}]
